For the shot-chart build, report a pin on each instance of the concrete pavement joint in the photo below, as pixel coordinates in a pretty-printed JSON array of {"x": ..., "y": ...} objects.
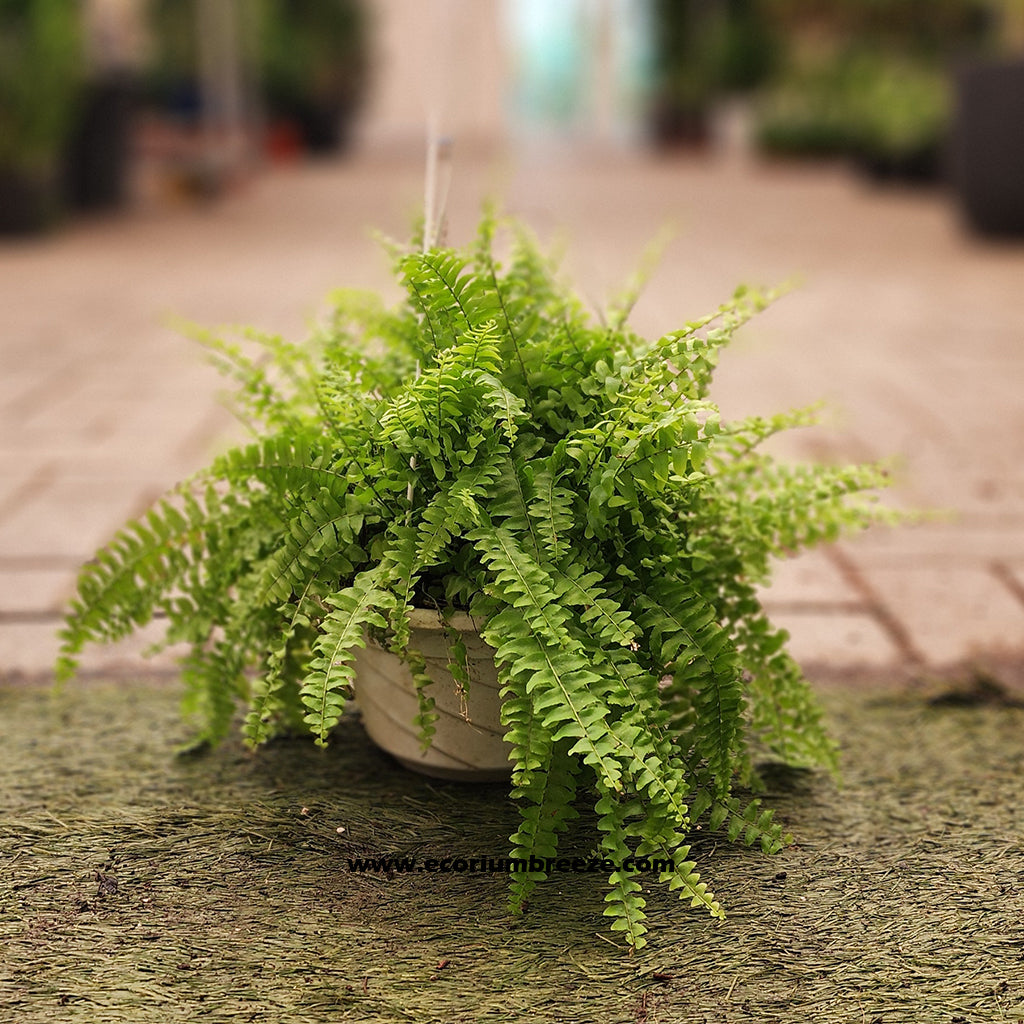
[
  {"x": 41, "y": 394},
  {"x": 818, "y": 607},
  {"x": 37, "y": 482},
  {"x": 1002, "y": 573},
  {"x": 42, "y": 615},
  {"x": 199, "y": 440},
  {"x": 41, "y": 563},
  {"x": 147, "y": 499},
  {"x": 892, "y": 626}
]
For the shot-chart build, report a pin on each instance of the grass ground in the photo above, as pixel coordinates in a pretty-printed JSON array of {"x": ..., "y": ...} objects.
[{"x": 140, "y": 887}]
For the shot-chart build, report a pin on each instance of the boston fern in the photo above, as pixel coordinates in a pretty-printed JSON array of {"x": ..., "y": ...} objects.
[{"x": 487, "y": 447}]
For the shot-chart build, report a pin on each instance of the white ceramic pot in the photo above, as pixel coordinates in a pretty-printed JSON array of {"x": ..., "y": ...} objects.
[{"x": 468, "y": 742}]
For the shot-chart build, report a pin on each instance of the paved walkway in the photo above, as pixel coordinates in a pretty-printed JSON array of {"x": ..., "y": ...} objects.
[{"x": 912, "y": 330}]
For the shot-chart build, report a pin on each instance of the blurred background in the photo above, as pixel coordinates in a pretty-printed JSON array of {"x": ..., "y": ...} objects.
[
  {"x": 224, "y": 162},
  {"x": 103, "y": 102}
]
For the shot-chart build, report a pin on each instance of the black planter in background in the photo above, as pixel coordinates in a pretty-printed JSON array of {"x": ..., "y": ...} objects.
[
  {"x": 30, "y": 201},
  {"x": 987, "y": 153},
  {"x": 922, "y": 166},
  {"x": 679, "y": 126},
  {"x": 98, "y": 156},
  {"x": 324, "y": 126}
]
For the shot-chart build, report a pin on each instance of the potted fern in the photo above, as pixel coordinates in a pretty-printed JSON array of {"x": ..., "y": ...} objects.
[{"x": 487, "y": 460}]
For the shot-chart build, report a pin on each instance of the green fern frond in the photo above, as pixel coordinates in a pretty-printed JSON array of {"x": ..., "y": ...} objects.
[
  {"x": 685, "y": 638},
  {"x": 325, "y": 688},
  {"x": 625, "y": 904},
  {"x": 685, "y": 360},
  {"x": 267, "y": 701},
  {"x": 749, "y": 823},
  {"x": 552, "y": 510},
  {"x": 787, "y": 717},
  {"x": 452, "y": 300},
  {"x": 425, "y": 719},
  {"x": 119, "y": 590},
  {"x": 545, "y": 812}
]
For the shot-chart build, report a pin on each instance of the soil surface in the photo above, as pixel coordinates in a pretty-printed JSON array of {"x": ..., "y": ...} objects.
[{"x": 141, "y": 886}]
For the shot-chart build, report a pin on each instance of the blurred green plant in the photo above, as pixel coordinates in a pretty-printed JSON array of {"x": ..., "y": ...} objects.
[
  {"x": 172, "y": 69},
  {"x": 933, "y": 28},
  {"x": 876, "y": 106},
  {"x": 313, "y": 45},
  {"x": 308, "y": 58},
  {"x": 313, "y": 63},
  {"x": 900, "y": 108},
  {"x": 805, "y": 114},
  {"x": 746, "y": 46},
  {"x": 41, "y": 72},
  {"x": 703, "y": 51}
]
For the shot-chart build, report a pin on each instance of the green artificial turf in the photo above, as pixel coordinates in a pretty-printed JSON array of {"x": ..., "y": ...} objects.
[{"x": 137, "y": 886}]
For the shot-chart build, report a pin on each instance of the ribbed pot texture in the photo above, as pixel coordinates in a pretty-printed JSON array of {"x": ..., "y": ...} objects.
[{"x": 468, "y": 743}]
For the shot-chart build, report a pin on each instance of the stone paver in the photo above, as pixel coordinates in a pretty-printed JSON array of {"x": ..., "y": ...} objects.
[
  {"x": 812, "y": 579},
  {"x": 951, "y": 613},
  {"x": 850, "y": 640},
  {"x": 962, "y": 542},
  {"x": 913, "y": 331},
  {"x": 28, "y": 649},
  {"x": 1012, "y": 577},
  {"x": 36, "y": 593},
  {"x": 72, "y": 516}
]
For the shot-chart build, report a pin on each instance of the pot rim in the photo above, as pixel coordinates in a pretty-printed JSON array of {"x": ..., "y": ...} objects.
[{"x": 431, "y": 618}]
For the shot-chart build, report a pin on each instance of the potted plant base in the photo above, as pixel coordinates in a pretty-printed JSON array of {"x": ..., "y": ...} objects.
[{"x": 467, "y": 739}]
